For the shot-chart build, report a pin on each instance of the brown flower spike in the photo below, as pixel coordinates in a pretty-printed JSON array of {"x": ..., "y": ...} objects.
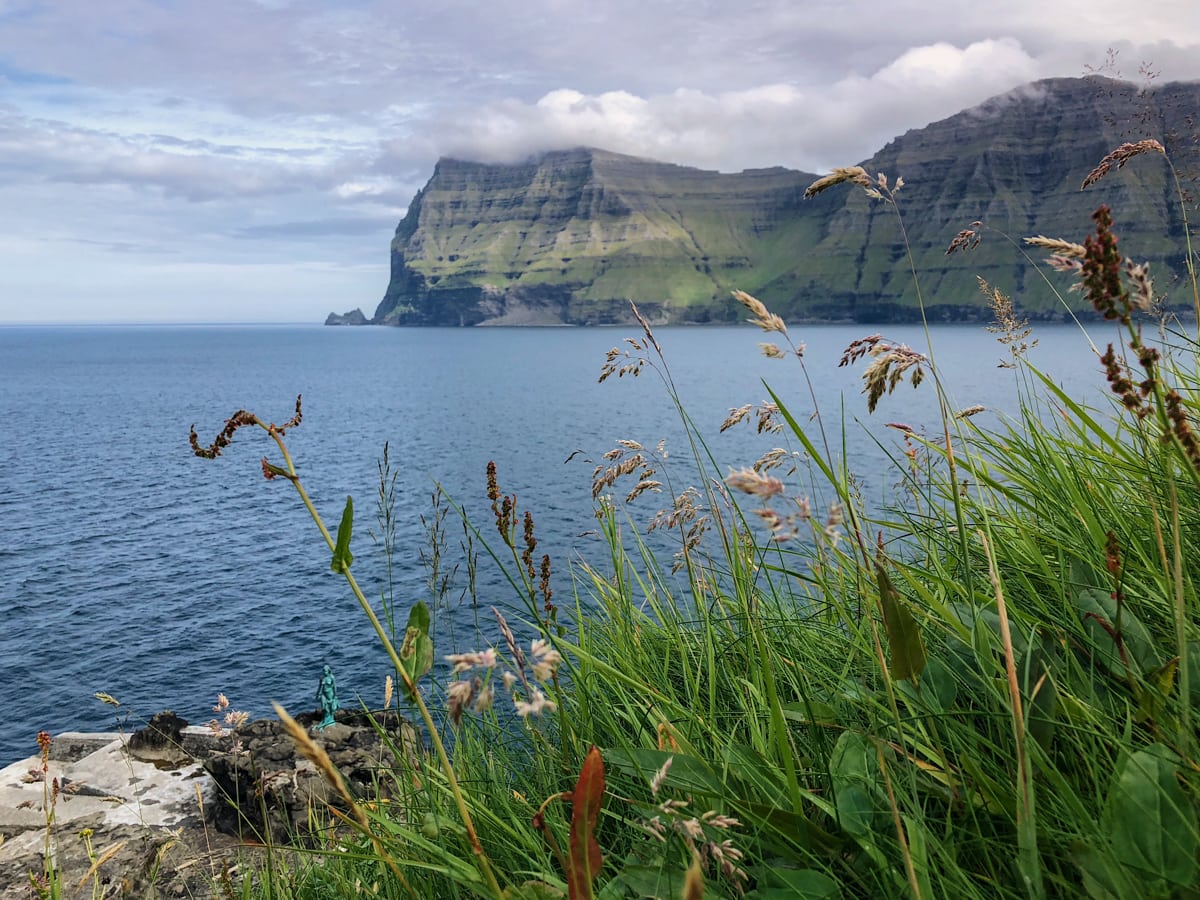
[{"x": 1120, "y": 156}]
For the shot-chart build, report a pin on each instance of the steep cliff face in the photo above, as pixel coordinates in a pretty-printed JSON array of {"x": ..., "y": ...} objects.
[
  {"x": 573, "y": 236},
  {"x": 1016, "y": 164}
]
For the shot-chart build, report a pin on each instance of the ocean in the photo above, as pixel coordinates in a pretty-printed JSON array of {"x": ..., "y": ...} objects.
[{"x": 131, "y": 567}]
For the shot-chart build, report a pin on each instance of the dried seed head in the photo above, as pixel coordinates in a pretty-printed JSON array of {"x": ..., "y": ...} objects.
[
  {"x": 1013, "y": 332},
  {"x": 735, "y": 416},
  {"x": 645, "y": 327},
  {"x": 1058, "y": 246},
  {"x": 772, "y": 351},
  {"x": 967, "y": 239},
  {"x": 1117, "y": 375},
  {"x": 750, "y": 482},
  {"x": 767, "y": 421},
  {"x": 316, "y": 754},
  {"x": 759, "y": 314},
  {"x": 239, "y": 419},
  {"x": 889, "y": 364},
  {"x": 856, "y": 174},
  {"x": 1181, "y": 428},
  {"x": 1120, "y": 156},
  {"x": 459, "y": 695},
  {"x": 463, "y": 662},
  {"x": 859, "y": 348},
  {"x": 660, "y": 776},
  {"x": 535, "y": 705},
  {"x": 1142, "y": 295}
]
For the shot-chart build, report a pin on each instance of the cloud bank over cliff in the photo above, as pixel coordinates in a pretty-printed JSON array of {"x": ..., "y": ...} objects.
[
  {"x": 770, "y": 124},
  {"x": 175, "y": 151}
]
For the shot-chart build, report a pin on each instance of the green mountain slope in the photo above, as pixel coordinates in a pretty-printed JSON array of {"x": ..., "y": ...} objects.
[{"x": 573, "y": 236}]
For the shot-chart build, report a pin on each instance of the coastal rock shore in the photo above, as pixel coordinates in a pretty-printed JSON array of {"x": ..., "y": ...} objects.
[
  {"x": 135, "y": 827},
  {"x": 154, "y": 813}
]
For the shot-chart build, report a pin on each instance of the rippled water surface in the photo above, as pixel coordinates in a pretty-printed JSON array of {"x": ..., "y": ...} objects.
[{"x": 129, "y": 566}]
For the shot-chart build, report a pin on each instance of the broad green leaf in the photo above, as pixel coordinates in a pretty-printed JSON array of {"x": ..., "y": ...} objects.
[
  {"x": 416, "y": 651},
  {"x": 1104, "y": 622},
  {"x": 532, "y": 890},
  {"x": 1039, "y": 689},
  {"x": 815, "y": 712},
  {"x": 749, "y": 773},
  {"x": 1193, "y": 657},
  {"x": 1154, "y": 692},
  {"x": 584, "y": 857},
  {"x": 649, "y": 881},
  {"x": 1151, "y": 822},
  {"x": 939, "y": 685},
  {"x": 1103, "y": 879},
  {"x": 342, "y": 557},
  {"x": 1083, "y": 575},
  {"x": 904, "y": 637},
  {"x": 804, "y": 884},
  {"x": 853, "y": 769}
]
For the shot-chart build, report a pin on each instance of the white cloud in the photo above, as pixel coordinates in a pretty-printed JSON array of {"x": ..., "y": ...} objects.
[
  {"x": 940, "y": 66},
  {"x": 771, "y": 124}
]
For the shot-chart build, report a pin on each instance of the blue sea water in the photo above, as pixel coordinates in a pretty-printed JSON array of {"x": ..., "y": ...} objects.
[{"x": 129, "y": 566}]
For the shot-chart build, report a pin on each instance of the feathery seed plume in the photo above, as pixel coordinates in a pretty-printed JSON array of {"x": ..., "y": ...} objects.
[
  {"x": 1120, "y": 156},
  {"x": 857, "y": 174}
]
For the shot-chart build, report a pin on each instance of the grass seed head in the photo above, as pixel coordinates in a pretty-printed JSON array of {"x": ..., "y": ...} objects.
[
  {"x": 759, "y": 314},
  {"x": 754, "y": 483},
  {"x": 1119, "y": 157},
  {"x": 856, "y": 174},
  {"x": 966, "y": 240}
]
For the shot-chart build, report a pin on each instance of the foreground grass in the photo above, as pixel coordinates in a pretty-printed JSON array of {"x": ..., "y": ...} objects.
[{"x": 989, "y": 688}]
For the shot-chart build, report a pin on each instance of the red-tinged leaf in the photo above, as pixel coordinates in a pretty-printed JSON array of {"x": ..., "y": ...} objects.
[{"x": 585, "y": 858}]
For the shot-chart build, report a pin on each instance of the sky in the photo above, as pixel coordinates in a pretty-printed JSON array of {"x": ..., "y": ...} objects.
[{"x": 248, "y": 160}]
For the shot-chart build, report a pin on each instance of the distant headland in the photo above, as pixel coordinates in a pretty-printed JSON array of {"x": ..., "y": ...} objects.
[{"x": 572, "y": 236}]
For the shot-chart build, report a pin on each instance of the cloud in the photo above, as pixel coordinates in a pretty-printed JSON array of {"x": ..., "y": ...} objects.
[
  {"x": 942, "y": 66},
  {"x": 765, "y": 125},
  {"x": 190, "y": 169}
]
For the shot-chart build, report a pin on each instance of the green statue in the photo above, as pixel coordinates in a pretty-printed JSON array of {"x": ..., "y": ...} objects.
[{"x": 327, "y": 698}]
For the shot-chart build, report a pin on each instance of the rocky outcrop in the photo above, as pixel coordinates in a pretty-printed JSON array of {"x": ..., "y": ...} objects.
[
  {"x": 268, "y": 792},
  {"x": 353, "y": 317},
  {"x": 571, "y": 237},
  {"x": 167, "y": 811},
  {"x": 161, "y": 741},
  {"x": 91, "y": 801}
]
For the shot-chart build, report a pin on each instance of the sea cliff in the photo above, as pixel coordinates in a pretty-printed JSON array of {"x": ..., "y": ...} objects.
[{"x": 572, "y": 236}]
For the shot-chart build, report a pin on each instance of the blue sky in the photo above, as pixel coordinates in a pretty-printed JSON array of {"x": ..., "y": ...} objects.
[{"x": 234, "y": 160}]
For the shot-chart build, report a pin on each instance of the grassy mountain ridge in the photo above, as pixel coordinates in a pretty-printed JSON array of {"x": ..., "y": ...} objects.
[{"x": 572, "y": 236}]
